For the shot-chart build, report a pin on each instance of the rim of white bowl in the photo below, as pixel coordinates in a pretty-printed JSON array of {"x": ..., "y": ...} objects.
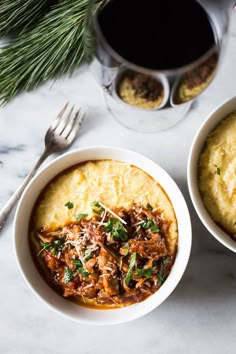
[
  {"x": 209, "y": 124},
  {"x": 131, "y": 312}
]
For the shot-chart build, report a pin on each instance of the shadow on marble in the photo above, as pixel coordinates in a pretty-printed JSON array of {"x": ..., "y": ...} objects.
[{"x": 92, "y": 119}]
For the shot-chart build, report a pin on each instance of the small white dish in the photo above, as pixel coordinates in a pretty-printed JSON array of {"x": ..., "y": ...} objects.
[
  {"x": 206, "y": 128},
  {"x": 37, "y": 283}
]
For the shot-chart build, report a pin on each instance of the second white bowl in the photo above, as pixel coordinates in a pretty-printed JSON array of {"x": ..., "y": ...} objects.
[{"x": 207, "y": 127}]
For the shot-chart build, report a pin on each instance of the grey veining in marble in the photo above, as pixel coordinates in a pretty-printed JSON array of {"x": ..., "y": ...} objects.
[{"x": 200, "y": 315}]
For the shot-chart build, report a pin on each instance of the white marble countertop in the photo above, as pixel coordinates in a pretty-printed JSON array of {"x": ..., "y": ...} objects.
[{"x": 200, "y": 315}]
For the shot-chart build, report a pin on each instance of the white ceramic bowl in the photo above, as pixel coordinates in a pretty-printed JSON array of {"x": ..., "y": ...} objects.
[
  {"x": 31, "y": 274},
  {"x": 207, "y": 127}
]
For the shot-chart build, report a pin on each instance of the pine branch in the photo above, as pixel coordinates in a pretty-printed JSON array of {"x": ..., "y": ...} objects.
[
  {"x": 54, "y": 47},
  {"x": 18, "y": 15}
]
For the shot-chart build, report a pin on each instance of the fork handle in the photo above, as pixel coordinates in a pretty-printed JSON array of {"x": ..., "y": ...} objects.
[{"x": 6, "y": 210}]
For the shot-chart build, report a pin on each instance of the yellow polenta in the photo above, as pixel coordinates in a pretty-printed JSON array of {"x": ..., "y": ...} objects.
[
  {"x": 217, "y": 174},
  {"x": 129, "y": 95},
  {"x": 186, "y": 93},
  {"x": 115, "y": 184}
]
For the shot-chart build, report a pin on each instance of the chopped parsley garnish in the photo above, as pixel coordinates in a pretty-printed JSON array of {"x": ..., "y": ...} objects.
[
  {"x": 77, "y": 262},
  {"x": 79, "y": 267},
  {"x": 69, "y": 247},
  {"x": 146, "y": 273},
  {"x": 81, "y": 216},
  {"x": 126, "y": 249},
  {"x": 58, "y": 244},
  {"x": 117, "y": 230},
  {"x": 88, "y": 255},
  {"x": 69, "y": 205},
  {"x": 98, "y": 212},
  {"x": 160, "y": 274},
  {"x": 54, "y": 252},
  {"x": 150, "y": 224},
  {"x": 149, "y": 207},
  {"x": 166, "y": 260},
  {"x": 68, "y": 275},
  {"x": 155, "y": 229},
  {"x": 55, "y": 246},
  {"x": 96, "y": 204},
  {"x": 99, "y": 209},
  {"x": 83, "y": 272},
  {"x": 131, "y": 266},
  {"x": 46, "y": 246},
  {"x": 217, "y": 169}
]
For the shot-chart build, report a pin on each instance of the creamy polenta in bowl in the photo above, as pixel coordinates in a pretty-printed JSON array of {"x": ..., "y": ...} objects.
[
  {"x": 103, "y": 229},
  {"x": 212, "y": 174},
  {"x": 217, "y": 174}
]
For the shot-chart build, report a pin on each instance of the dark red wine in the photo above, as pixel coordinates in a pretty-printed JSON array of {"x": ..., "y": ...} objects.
[{"x": 157, "y": 34}]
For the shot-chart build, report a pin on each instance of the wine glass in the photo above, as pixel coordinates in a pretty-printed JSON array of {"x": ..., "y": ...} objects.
[{"x": 144, "y": 98}]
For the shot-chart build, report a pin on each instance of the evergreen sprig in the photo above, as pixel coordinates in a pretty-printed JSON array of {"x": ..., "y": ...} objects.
[
  {"x": 52, "y": 48},
  {"x": 19, "y": 15}
]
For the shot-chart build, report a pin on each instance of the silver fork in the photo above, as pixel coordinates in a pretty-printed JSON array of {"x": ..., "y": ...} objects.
[{"x": 59, "y": 137}]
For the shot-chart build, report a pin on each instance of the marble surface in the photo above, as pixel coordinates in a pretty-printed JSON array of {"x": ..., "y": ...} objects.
[{"x": 200, "y": 316}]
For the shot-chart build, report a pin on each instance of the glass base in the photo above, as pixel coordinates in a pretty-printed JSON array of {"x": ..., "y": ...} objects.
[{"x": 145, "y": 121}]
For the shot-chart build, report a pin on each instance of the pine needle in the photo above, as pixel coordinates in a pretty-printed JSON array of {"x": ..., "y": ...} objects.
[
  {"x": 18, "y": 15},
  {"x": 52, "y": 48}
]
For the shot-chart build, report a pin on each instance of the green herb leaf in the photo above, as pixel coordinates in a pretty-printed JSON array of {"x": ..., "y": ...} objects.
[
  {"x": 131, "y": 266},
  {"x": 69, "y": 205},
  {"x": 81, "y": 216},
  {"x": 54, "y": 252},
  {"x": 149, "y": 207},
  {"x": 146, "y": 224},
  {"x": 166, "y": 260},
  {"x": 69, "y": 247},
  {"x": 161, "y": 275},
  {"x": 217, "y": 169},
  {"x": 126, "y": 249},
  {"x": 77, "y": 262},
  {"x": 46, "y": 246},
  {"x": 146, "y": 273},
  {"x": 83, "y": 272},
  {"x": 99, "y": 209},
  {"x": 79, "y": 267},
  {"x": 96, "y": 204},
  {"x": 150, "y": 224},
  {"x": 88, "y": 255},
  {"x": 55, "y": 246},
  {"x": 155, "y": 229},
  {"x": 58, "y": 244},
  {"x": 68, "y": 275},
  {"x": 98, "y": 212},
  {"x": 116, "y": 228}
]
